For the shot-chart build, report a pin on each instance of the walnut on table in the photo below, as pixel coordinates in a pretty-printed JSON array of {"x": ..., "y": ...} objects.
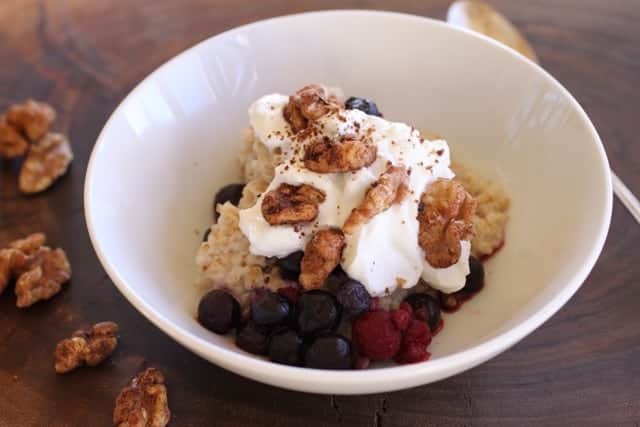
[
  {"x": 445, "y": 218},
  {"x": 144, "y": 403},
  {"x": 322, "y": 254},
  {"x": 392, "y": 187},
  {"x": 40, "y": 271},
  {"x": 24, "y": 129},
  {"x": 47, "y": 160},
  {"x": 31, "y": 118},
  {"x": 86, "y": 347},
  {"x": 291, "y": 204}
]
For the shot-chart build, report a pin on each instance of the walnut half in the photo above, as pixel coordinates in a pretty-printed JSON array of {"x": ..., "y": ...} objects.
[
  {"x": 308, "y": 104},
  {"x": 144, "y": 403},
  {"x": 90, "y": 347},
  {"x": 348, "y": 155},
  {"x": 392, "y": 187},
  {"x": 31, "y": 118},
  {"x": 445, "y": 218},
  {"x": 322, "y": 254},
  {"x": 291, "y": 204},
  {"x": 40, "y": 271},
  {"x": 47, "y": 160}
]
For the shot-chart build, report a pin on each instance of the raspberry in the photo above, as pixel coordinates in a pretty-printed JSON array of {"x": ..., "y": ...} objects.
[
  {"x": 418, "y": 332},
  {"x": 421, "y": 314},
  {"x": 376, "y": 336},
  {"x": 415, "y": 340},
  {"x": 401, "y": 319},
  {"x": 412, "y": 353},
  {"x": 406, "y": 307}
]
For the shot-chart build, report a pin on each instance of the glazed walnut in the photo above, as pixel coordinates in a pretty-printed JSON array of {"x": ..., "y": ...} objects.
[
  {"x": 144, "y": 403},
  {"x": 47, "y": 160},
  {"x": 40, "y": 271},
  {"x": 291, "y": 204},
  {"x": 31, "y": 118},
  {"x": 445, "y": 218},
  {"x": 86, "y": 347},
  {"x": 348, "y": 155},
  {"x": 42, "y": 276},
  {"x": 12, "y": 143},
  {"x": 322, "y": 254},
  {"x": 308, "y": 104},
  {"x": 15, "y": 258},
  {"x": 392, "y": 187}
]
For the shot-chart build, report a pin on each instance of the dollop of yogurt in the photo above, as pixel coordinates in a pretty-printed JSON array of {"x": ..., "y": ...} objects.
[{"x": 384, "y": 253}]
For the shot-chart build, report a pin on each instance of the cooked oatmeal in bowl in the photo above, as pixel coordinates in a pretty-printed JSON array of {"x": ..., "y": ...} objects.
[{"x": 349, "y": 237}]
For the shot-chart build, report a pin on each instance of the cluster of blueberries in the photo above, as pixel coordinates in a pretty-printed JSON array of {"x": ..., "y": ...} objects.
[{"x": 292, "y": 328}]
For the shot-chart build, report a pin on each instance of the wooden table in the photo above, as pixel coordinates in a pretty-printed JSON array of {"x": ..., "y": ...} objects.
[{"x": 581, "y": 368}]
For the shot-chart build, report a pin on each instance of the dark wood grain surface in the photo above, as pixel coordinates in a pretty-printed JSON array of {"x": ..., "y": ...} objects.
[{"x": 582, "y": 368}]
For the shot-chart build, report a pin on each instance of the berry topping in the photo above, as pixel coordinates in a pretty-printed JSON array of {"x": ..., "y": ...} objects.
[
  {"x": 354, "y": 297},
  {"x": 475, "y": 278},
  {"x": 336, "y": 279},
  {"x": 401, "y": 318},
  {"x": 317, "y": 312},
  {"x": 414, "y": 343},
  {"x": 417, "y": 332},
  {"x": 285, "y": 348},
  {"x": 362, "y": 104},
  {"x": 229, "y": 193},
  {"x": 425, "y": 307},
  {"x": 291, "y": 293},
  {"x": 329, "y": 352},
  {"x": 413, "y": 353},
  {"x": 269, "y": 309},
  {"x": 253, "y": 339},
  {"x": 219, "y": 312},
  {"x": 376, "y": 336},
  {"x": 290, "y": 265}
]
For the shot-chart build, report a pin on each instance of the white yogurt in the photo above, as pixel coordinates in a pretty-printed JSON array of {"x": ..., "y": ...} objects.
[{"x": 384, "y": 253}]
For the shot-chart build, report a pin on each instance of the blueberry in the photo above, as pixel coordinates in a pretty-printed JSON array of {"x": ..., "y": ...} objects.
[
  {"x": 329, "y": 352},
  {"x": 285, "y": 348},
  {"x": 354, "y": 298},
  {"x": 475, "y": 278},
  {"x": 269, "y": 309},
  {"x": 428, "y": 305},
  {"x": 229, "y": 193},
  {"x": 336, "y": 279},
  {"x": 253, "y": 339},
  {"x": 219, "y": 312},
  {"x": 290, "y": 265},
  {"x": 317, "y": 312},
  {"x": 362, "y": 104}
]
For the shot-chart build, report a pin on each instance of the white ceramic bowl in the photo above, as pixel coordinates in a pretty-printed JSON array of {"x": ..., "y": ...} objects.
[{"x": 173, "y": 142}]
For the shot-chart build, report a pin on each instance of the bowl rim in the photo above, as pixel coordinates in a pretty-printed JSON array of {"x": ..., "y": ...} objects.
[{"x": 361, "y": 381}]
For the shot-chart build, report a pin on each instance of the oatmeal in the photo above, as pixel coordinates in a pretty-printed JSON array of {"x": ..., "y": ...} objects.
[{"x": 347, "y": 222}]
